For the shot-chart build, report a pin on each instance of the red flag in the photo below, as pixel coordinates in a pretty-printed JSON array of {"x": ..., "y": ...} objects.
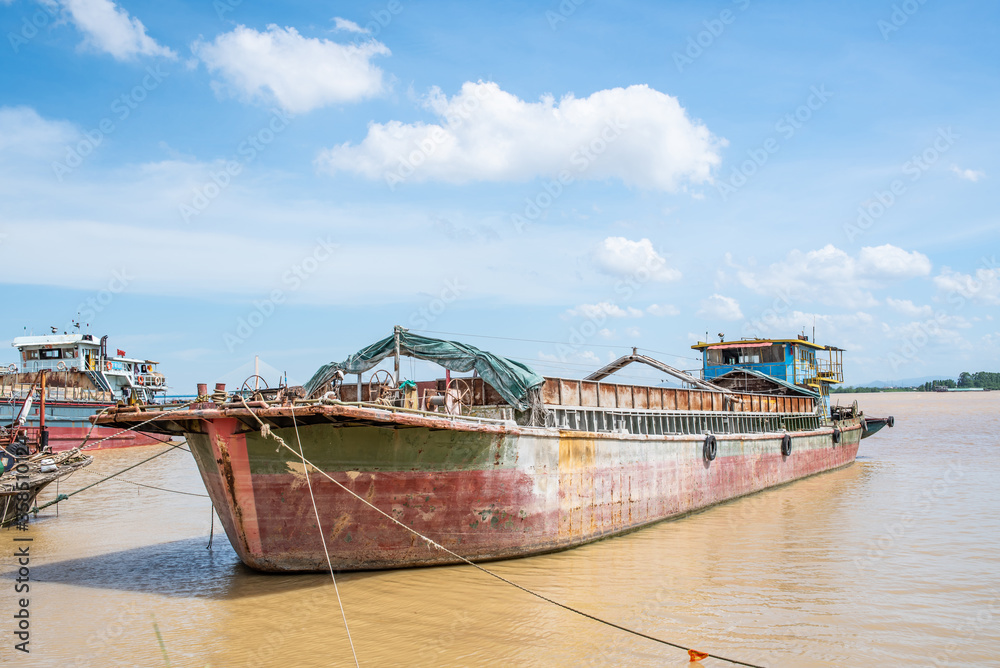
[
  {"x": 696, "y": 655},
  {"x": 121, "y": 353}
]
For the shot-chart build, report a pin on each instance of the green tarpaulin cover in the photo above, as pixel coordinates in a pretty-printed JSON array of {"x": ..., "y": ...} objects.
[{"x": 511, "y": 379}]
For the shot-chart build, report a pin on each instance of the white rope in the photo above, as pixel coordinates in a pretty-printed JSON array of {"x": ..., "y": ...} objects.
[
  {"x": 265, "y": 430},
  {"x": 84, "y": 445},
  {"x": 438, "y": 546}
]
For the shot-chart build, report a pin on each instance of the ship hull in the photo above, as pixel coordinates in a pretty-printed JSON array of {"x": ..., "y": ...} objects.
[
  {"x": 68, "y": 426},
  {"x": 483, "y": 493}
]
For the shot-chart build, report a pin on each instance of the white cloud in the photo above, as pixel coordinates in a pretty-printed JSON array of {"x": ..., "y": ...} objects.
[
  {"x": 619, "y": 256},
  {"x": 984, "y": 287},
  {"x": 889, "y": 261},
  {"x": 636, "y": 134},
  {"x": 299, "y": 73},
  {"x": 718, "y": 307},
  {"x": 603, "y": 310},
  {"x": 23, "y": 132},
  {"x": 837, "y": 328},
  {"x": 110, "y": 28},
  {"x": 908, "y": 308},
  {"x": 968, "y": 174},
  {"x": 917, "y": 334},
  {"x": 831, "y": 276},
  {"x": 662, "y": 310},
  {"x": 349, "y": 26}
]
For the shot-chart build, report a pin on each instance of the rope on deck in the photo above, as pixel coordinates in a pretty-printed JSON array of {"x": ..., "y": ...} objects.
[{"x": 265, "y": 431}]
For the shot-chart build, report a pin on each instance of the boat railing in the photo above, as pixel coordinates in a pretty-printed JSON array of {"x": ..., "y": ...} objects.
[{"x": 661, "y": 423}]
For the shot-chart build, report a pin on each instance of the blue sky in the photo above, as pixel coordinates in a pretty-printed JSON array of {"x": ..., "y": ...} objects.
[{"x": 209, "y": 182}]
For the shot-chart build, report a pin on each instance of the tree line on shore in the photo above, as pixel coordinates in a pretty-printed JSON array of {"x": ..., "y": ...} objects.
[{"x": 988, "y": 380}]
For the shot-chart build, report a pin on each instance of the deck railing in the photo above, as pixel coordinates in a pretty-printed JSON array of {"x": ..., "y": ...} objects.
[{"x": 661, "y": 423}]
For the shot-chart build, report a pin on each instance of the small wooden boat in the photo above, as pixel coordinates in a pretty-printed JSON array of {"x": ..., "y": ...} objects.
[{"x": 27, "y": 466}]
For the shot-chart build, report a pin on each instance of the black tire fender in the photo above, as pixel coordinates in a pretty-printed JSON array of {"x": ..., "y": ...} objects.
[
  {"x": 786, "y": 445},
  {"x": 836, "y": 436},
  {"x": 711, "y": 448},
  {"x": 890, "y": 422}
]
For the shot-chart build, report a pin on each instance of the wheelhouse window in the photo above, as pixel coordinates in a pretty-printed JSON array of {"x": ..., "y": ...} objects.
[
  {"x": 50, "y": 353},
  {"x": 738, "y": 355}
]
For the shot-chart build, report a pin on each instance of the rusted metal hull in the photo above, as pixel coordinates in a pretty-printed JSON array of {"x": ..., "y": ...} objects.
[{"x": 485, "y": 492}]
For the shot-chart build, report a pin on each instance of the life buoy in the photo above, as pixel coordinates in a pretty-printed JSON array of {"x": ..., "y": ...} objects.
[
  {"x": 107, "y": 365},
  {"x": 786, "y": 445},
  {"x": 710, "y": 449},
  {"x": 139, "y": 380},
  {"x": 836, "y": 436},
  {"x": 157, "y": 380},
  {"x": 61, "y": 366}
]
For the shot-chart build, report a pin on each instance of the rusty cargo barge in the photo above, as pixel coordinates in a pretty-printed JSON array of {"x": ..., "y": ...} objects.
[{"x": 502, "y": 464}]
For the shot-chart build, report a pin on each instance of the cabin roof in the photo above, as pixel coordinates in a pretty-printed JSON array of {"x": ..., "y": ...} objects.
[
  {"x": 757, "y": 343},
  {"x": 53, "y": 340}
]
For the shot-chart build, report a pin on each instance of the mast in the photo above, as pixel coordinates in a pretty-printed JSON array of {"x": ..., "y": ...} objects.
[
  {"x": 43, "y": 433},
  {"x": 395, "y": 334}
]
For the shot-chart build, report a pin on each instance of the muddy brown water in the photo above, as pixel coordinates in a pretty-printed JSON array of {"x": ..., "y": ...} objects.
[{"x": 894, "y": 560}]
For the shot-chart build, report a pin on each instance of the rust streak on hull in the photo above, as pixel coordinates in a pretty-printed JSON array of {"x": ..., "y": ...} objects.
[{"x": 484, "y": 490}]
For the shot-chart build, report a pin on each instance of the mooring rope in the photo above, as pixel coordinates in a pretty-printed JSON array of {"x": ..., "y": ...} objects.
[
  {"x": 322, "y": 537},
  {"x": 162, "y": 489},
  {"x": 266, "y": 431},
  {"x": 83, "y": 444},
  {"x": 63, "y": 497}
]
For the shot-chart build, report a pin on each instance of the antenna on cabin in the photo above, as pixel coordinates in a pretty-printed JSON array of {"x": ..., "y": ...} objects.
[{"x": 814, "y": 328}]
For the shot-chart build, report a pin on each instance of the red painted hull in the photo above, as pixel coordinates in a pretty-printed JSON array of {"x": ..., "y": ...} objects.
[
  {"x": 539, "y": 492},
  {"x": 101, "y": 438}
]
